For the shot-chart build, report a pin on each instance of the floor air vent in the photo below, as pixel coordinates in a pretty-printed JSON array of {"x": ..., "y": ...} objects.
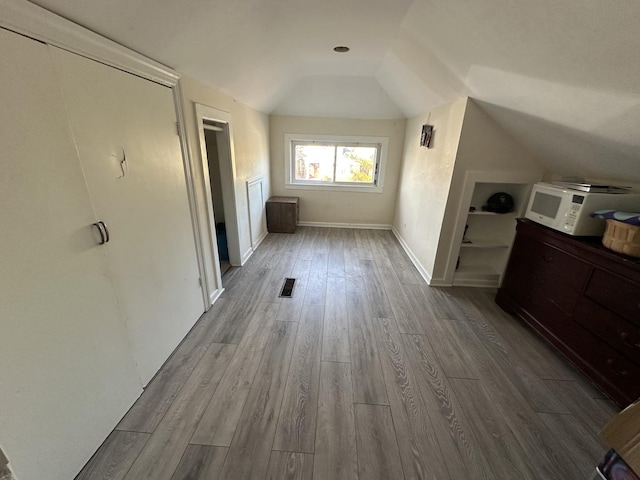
[{"x": 287, "y": 288}]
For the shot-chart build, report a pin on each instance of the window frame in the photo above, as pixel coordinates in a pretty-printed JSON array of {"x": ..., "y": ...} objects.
[{"x": 290, "y": 140}]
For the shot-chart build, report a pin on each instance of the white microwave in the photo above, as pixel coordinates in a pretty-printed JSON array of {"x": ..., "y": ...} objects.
[{"x": 568, "y": 211}]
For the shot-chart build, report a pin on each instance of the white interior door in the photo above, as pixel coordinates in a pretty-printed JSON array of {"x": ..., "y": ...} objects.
[
  {"x": 125, "y": 132},
  {"x": 67, "y": 374}
]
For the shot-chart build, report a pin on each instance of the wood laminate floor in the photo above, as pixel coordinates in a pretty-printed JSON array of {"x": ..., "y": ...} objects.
[{"x": 366, "y": 372}]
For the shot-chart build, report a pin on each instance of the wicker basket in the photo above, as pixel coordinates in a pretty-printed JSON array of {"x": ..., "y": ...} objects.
[{"x": 622, "y": 238}]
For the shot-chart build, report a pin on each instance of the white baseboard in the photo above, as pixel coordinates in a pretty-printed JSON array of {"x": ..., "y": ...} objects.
[
  {"x": 259, "y": 241},
  {"x": 476, "y": 284},
  {"x": 439, "y": 282},
  {"x": 214, "y": 296},
  {"x": 432, "y": 282},
  {"x": 246, "y": 256},
  {"x": 366, "y": 226}
]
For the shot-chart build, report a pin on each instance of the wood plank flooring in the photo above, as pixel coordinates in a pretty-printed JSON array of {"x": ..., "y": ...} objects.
[{"x": 366, "y": 373}]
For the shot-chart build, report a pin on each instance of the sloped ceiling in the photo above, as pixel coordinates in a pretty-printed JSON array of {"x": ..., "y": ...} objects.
[{"x": 562, "y": 76}]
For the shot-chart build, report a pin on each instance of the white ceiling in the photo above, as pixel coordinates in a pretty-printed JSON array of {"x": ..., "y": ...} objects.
[{"x": 563, "y": 76}]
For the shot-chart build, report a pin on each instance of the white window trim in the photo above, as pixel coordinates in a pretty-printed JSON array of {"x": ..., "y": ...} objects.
[{"x": 289, "y": 164}]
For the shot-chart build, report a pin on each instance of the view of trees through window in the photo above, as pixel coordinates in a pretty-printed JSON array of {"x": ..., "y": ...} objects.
[{"x": 335, "y": 163}]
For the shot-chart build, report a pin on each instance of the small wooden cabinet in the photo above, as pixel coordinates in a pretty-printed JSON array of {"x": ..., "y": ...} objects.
[
  {"x": 282, "y": 214},
  {"x": 584, "y": 299}
]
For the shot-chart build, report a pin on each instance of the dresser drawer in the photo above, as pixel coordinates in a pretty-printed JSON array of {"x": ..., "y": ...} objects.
[
  {"x": 545, "y": 312},
  {"x": 616, "y": 294},
  {"x": 538, "y": 257},
  {"x": 555, "y": 291},
  {"x": 529, "y": 284},
  {"x": 617, "y": 332},
  {"x": 612, "y": 367}
]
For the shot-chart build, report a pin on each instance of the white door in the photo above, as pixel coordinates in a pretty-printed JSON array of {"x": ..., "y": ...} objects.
[
  {"x": 67, "y": 374},
  {"x": 125, "y": 132}
]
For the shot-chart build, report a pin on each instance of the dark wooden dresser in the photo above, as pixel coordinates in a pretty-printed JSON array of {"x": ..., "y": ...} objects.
[
  {"x": 584, "y": 299},
  {"x": 282, "y": 214}
]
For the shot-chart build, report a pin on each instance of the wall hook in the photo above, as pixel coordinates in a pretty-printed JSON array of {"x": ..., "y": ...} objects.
[{"x": 123, "y": 164}]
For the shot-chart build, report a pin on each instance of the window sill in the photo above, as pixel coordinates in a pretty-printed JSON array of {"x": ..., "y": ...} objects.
[{"x": 334, "y": 188}]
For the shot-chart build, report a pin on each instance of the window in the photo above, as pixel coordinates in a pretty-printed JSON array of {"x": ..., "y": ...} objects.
[{"x": 335, "y": 163}]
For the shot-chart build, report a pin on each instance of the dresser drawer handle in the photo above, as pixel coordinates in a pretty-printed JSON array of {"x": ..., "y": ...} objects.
[
  {"x": 620, "y": 373},
  {"x": 624, "y": 336}
]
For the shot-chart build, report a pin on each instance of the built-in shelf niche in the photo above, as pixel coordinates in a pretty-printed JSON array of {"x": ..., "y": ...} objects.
[{"x": 479, "y": 256}]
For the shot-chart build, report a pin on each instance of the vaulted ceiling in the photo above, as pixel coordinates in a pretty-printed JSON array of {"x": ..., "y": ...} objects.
[{"x": 562, "y": 76}]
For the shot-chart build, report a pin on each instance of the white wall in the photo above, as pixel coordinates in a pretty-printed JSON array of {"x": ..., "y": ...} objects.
[
  {"x": 425, "y": 181},
  {"x": 251, "y": 149},
  {"x": 331, "y": 206},
  {"x": 432, "y": 180}
]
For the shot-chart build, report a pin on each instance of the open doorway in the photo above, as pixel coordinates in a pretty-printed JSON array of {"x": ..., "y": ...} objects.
[
  {"x": 220, "y": 235},
  {"x": 213, "y": 130}
]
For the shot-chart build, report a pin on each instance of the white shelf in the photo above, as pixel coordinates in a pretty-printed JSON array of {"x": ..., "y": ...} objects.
[
  {"x": 476, "y": 277},
  {"x": 493, "y": 213},
  {"x": 480, "y": 212},
  {"x": 463, "y": 272},
  {"x": 484, "y": 244},
  {"x": 481, "y": 262}
]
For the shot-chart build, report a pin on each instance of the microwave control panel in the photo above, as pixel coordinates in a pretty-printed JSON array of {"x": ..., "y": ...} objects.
[{"x": 572, "y": 215}]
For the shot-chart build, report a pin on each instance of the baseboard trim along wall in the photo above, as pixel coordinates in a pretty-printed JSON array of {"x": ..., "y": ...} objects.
[
  {"x": 259, "y": 241},
  {"x": 246, "y": 256},
  {"x": 366, "y": 226},
  {"x": 212, "y": 298},
  {"x": 433, "y": 282}
]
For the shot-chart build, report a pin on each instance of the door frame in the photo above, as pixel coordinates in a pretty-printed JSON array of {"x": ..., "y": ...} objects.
[{"x": 228, "y": 180}]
